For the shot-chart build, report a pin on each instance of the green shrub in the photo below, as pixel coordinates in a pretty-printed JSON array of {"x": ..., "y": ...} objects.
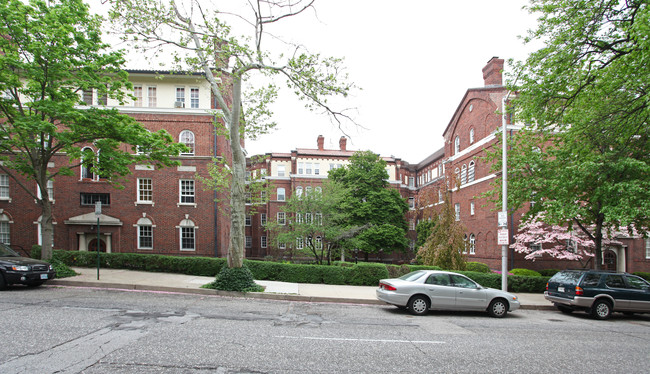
[
  {"x": 525, "y": 272},
  {"x": 478, "y": 267},
  {"x": 62, "y": 270},
  {"x": 422, "y": 267},
  {"x": 643, "y": 275},
  {"x": 366, "y": 274},
  {"x": 548, "y": 272},
  {"x": 527, "y": 284},
  {"x": 35, "y": 252},
  {"x": 235, "y": 279}
]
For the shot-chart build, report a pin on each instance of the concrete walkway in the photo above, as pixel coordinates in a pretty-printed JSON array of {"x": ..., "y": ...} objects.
[{"x": 167, "y": 282}]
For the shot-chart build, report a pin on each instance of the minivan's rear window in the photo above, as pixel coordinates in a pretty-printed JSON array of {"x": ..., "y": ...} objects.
[{"x": 566, "y": 277}]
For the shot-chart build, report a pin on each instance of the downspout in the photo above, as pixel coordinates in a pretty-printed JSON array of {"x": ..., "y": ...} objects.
[{"x": 214, "y": 196}]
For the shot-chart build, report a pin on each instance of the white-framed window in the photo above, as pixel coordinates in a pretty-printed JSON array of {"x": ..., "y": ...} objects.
[
  {"x": 647, "y": 248},
  {"x": 145, "y": 233},
  {"x": 281, "y": 170},
  {"x": 457, "y": 145},
  {"x": 137, "y": 92},
  {"x": 194, "y": 97},
  {"x": 308, "y": 168},
  {"x": 466, "y": 244},
  {"x": 187, "y": 235},
  {"x": 471, "y": 208},
  {"x": 317, "y": 168},
  {"x": 470, "y": 172},
  {"x": 319, "y": 190},
  {"x": 299, "y": 192},
  {"x": 263, "y": 242},
  {"x": 88, "y": 161},
  {"x": 187, "y": 138},
  {"x": 262, "y": 219},
  {"x": 50, "y": 191},
  {"x": 463, "y": 175},
  {"x": 301, "y": 167},
  {"x": 457, "y": 172},
  {"x": 180, "y": 97},
  {"x": 471, "y": 136},
  {"x": 457, "y": 211},
  {"x": 281, "y": 218},
  {"x": 319, "y": 242},
  {"x": 5, "y": 230},
  {"x": 309, "y": 219},
  {"x": 282, "y": 245},
  {"x": 319, "y": 219},
  {"x": 4, "y": 187},
  {"x": 571, "y": 245},
  {"x": 535, "y": 248},
  {"x": 472, "y": 244},
  {"x": 412, "y": 224},
  {"x": 145, "y": 190},
  {"x": 308, "y": 191},
  {"x": 249, "y": 241},
  {"x": 300, "y": 243},
  {"x": 411, "y": 202},
  {"x": 298, "y": 218},
  {"x": 249, "y": 220},
  {"x": 152, "y": 98},
  {"x": 186, "y": 191},
  {"x": 280, "y": 194},
  {"x": 439, "y": 196},
  {"x": 411, "y": 182},
  {"x": 87, "y": 96}
]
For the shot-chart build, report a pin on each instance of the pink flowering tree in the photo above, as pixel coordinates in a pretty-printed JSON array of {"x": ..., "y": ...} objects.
[{"x": 536, "y": 238}]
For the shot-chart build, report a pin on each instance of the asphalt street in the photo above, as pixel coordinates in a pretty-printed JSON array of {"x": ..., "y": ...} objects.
[{"x": 83, "y": 330}]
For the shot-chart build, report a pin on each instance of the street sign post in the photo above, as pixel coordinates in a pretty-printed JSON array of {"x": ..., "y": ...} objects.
[{"x": 98, "y": 212}]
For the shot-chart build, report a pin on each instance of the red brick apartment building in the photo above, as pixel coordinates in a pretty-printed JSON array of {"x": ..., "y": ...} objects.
[
  {"x": 456, "y": 172},
  {"x": 162, "y": 211},
  {"x": 167, "y": 211}
]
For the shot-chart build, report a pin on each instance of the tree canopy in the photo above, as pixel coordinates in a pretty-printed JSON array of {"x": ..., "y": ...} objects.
[
  {"x": 370, "y": 202},
  {"x": 583, "y": 156},
  {"x": 50, "y": 53}
]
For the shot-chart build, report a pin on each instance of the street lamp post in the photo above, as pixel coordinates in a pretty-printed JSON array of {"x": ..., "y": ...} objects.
[{"x": 98, "y": 212}]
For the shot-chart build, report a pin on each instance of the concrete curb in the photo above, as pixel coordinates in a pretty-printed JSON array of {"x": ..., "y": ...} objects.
[{"x": 252, "y": 295}]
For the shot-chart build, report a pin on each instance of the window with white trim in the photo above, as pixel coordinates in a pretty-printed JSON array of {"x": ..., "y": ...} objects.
[
  {"x": 145, "y": 233},
  {"x": 263, "y": 241},
  {"x": 249, "y": 220},
  {"x": 647, "y": 248},
  {"x": 280, "y": 194},
  {"x": 145, "y": 190},
  {"x": 316, "y": 168},
  {"x": 319, "y": 242},
  {"x": 471, "y": 208},
  {"x": 300, "y": 167},
  {"x": 457, "y": 145},
  {"x": 308, "y": 191},
  {"x": 87, "y": 162},
  {"x": 300, "y": 243},
  {"x": 309, "y": 218},
  {"x": 262, "y": 219},
  {"x": 50, "y": 191},
  {"x": 137, "y": 92},
  {"x": 187, "y": 235},
  {"x": 281, "y": 170},
  {"x": 299, "y": 192},
  {"x": 4, "y": 187},
  {"x": 471, "y": 136},
  {"x": 319, "y": 219},
  {"x": 308, "y": 168},
  {"x": 187, "y": 193},
  {"x": 194, "y": 98},
  {"x": 180, "y": 95},
  {"x": 281, "y": 218},
  {"x": 535, "y": 248},
  {"x": 470, "y": 172},
  {"x": 152, "y": 99},
  {"x": 249, "y": 241},
  {"x": 457, "y": 211},
  {"x": 298, "y": 218},
  {"x": 282, "y": 245},
  {"x": 472, "y": 244},
  {"x": 465, "y": 244},
  {"x": 187, "y": 138},
  {"x": 5, "y": 230},
  {"x": 463, "y": 175}
]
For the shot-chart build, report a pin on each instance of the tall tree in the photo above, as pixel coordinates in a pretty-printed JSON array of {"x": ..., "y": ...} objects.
[
  {"x": 50, "y": 52},
  {"x": 199, "y": 37},
  {"x": 372, "y": 204},
  {"x": 584, "y": 156}
]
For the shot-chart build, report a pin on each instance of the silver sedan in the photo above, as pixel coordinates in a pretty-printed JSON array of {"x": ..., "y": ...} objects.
[{"x": 424, "y": 290}]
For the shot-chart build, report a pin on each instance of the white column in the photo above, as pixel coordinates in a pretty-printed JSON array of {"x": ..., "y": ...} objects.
[
  {"x": 83, "y": 246},
  {"x": 109, "y": 245}
]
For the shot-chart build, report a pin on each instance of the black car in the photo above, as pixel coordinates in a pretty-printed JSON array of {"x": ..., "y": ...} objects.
[
  {"x": 598, "y": 292},
  {"x": 15, "y": 269}
]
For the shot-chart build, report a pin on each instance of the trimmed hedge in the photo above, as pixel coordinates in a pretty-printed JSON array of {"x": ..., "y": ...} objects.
[
  {"x": 360, "y": 274},
  {"x": 525, "y": 272},
  {"x": 643, "y": 275},
  {"x": 477, "y": 267}
]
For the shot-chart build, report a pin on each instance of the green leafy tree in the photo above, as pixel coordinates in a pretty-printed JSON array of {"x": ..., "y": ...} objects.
[
  {"x": 50, "y": 52},
  {"x": 423, "y": 230},
  {"x": 199, "y": 37},
  {"x": 372, "y": 205},
  {"x": 583, "y": 157},
  {"x": 445, "y": 244}
]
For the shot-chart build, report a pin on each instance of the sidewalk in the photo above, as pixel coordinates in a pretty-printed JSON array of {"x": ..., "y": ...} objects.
[{"x": 167, "y": 282}]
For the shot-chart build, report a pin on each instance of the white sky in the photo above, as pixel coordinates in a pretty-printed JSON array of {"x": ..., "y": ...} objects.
[{"x": 413, "y": 59}]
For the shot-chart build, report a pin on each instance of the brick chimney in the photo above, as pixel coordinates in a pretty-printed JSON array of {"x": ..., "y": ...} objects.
[
  {"x": 321, "y": 142},
  {"x": 342, "y": 143},
  {"x": 493, "y": 72}
]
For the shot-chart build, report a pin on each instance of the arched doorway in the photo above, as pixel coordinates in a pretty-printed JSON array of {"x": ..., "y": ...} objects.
[
  {"x": 92, "y": 246},
  {"x": 609, "y": 260}
]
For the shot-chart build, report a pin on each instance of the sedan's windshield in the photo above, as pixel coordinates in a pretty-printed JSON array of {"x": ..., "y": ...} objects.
[
  {"x": 413, "y": 276},
  {"x": 7, "y": 252}
]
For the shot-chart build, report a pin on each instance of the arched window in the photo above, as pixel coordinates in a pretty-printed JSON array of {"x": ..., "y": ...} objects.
[
  {"x": 307, "y": 190},
  {"x": 5, "y": 231},
  {"x": 187, "y": 138},
  {"x": 88, "y": 159},
  {"x": 470, "y": 172},
  {"x": 471, "y": 136},
  {"x": 299, "y": 192},
  {"x": 457, "y": 172},
  {"x": 145, "y": 233},
  {"x": 463, "y": 175},
  {"x": 457, "y": 145},
  {"x": 187, "y": 234},
  {"x": 472, "y": 244}
]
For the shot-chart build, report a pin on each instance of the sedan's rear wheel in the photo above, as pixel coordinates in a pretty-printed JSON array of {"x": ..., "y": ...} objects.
[
  {"x": 498, "y": 308},
  {"x": 418, "y": 305}
]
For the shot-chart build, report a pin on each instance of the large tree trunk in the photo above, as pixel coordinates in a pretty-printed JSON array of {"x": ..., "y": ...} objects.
[
  {"x": 237, "y": 196},
  {"x": 47, "y": 229}
]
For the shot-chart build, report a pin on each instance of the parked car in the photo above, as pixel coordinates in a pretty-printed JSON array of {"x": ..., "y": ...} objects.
[
  {"x": 424, "y": 290},
  {"x": 598, "y": 292},
  {"x": 15, "y": 269}
]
